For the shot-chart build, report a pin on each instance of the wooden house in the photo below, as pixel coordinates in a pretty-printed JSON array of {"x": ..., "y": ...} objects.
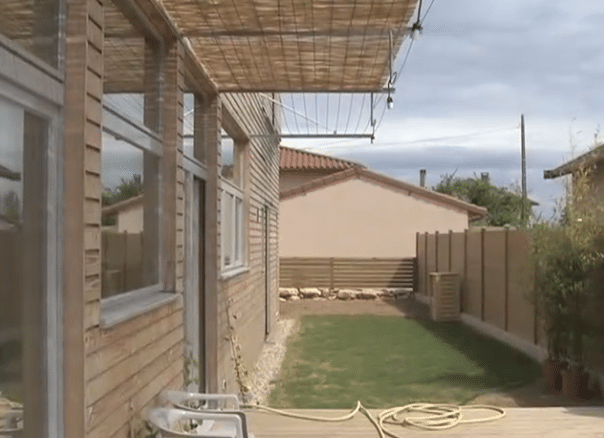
[{"x": 93, "y": 92}]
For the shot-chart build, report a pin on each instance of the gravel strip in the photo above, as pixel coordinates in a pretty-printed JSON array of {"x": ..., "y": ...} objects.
[{"x": 270, "y": 361}]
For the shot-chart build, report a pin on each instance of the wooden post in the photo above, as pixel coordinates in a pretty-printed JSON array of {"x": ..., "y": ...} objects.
[
  {"x": 81, "y": 157},
  {"x": 125, "y": 263},
  {"x": 415, "y": 274},
  {"x": 482, "y": 291},
  {"x": 211, "y": 118},
  {"x": 507, "y": 278},
  {"x": 436, "y": 251},
  {"x": 426, "y": 286},
  {"x": 450, "y": 250},
  {"x": 331, "y": 273},
  {"x": 465, "y": 269}
]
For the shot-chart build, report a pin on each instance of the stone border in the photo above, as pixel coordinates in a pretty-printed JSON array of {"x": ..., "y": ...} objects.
[{"x": 322, "y": 293}]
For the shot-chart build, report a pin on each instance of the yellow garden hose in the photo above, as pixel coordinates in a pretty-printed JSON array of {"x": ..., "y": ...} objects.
[{"x": 437, "y": 416}]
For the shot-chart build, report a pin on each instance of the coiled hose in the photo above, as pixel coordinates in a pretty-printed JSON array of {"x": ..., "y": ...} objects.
[{"x": 435, "y": 416}]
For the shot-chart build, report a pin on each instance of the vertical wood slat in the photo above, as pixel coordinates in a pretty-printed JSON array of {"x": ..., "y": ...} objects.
[
  {"x": 426, "y": 286},
  {"x": 463, "y": 282},
  {"x": 507, "y": 278},
  {"x": 436, "y": 236},
  {"x": 331, "y": 273},
  {"x": 482, "y": 289},
  {"x": 450, "y": 250}
]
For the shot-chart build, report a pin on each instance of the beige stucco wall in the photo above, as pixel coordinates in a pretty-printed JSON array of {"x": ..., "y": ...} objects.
[
  {"x": 293, "y": 178},
  {"x": 357, "y": 218},
  {"x": 130, "y": 220}
]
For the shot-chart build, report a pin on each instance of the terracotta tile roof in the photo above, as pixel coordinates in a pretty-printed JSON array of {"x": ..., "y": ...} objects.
[
  {"x": 296, "y": 159},
  {"x": 474, "y": 211}
]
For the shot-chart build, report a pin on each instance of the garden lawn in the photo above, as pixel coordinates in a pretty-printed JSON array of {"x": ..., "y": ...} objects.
[{"x": 390, "y": 361}]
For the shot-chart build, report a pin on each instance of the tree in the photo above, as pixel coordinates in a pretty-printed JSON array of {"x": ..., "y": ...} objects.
[
  {"x": 504, "y": 205},
  {"x": 12, "y": 207},
  {"x": 126, "y": 190}
]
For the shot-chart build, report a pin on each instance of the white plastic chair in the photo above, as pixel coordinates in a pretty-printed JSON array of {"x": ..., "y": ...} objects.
[
  {"x": 183, "y": 400},
  {"x": 204, "y": 403},
  {"x": 11, "y": 424},
  {"x": 210, "y": 424}
]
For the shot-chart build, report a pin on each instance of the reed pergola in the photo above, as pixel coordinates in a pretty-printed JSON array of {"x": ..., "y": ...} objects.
[
  {"x": 294, "y": 45},
  {"x": 270, "y": 46}
]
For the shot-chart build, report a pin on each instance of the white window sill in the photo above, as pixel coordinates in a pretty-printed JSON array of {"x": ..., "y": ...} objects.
[
  {"x": 121, "y": 308},
  {"x": 229, "y": 273}
]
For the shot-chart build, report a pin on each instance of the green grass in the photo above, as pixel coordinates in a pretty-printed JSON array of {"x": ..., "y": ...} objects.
[{"x": 391, "y": 361}]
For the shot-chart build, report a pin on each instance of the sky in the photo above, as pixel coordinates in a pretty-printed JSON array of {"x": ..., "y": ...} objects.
[{"x": 477, "y": 66}]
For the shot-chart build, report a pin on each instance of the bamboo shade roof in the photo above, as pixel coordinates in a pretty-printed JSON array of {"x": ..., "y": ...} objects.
[
  {"x": 294, "y": 45},
  {"x": 249, "y": 45}
]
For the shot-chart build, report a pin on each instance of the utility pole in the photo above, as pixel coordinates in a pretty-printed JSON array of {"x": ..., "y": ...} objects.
[{"x": 523, "y": 148}]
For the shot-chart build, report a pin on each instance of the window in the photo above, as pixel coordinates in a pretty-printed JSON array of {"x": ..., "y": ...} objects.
[
  {"x": 131, "y": 154},
  {"x": 233, "y": 204},
  {"x": 24, "y": 142},
  {"x": 130, "y": 232},
  {"x": 193, "y": 145},
  {"x": 34, "y": 26}
]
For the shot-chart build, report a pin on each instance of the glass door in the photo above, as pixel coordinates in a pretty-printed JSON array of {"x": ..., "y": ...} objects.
[
  {"x": 24, "y": 140},
  {"x": 195, "y": 284}
]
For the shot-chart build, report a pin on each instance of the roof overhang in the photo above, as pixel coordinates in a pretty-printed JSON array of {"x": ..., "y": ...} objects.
[
  {"x": 593, "y": 156},
  {"x": 294, "y": 45}
]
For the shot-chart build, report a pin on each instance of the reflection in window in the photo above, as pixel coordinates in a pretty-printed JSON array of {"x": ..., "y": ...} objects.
[
  {"x": 131, "y": 151},
  {"x": 23, "y": 145},
  {"x": 129, "y": 218},
  {"x": 232, "y": 214},
  {"x": 33, "y": 25},
  {"x": 193, "y": 128}
]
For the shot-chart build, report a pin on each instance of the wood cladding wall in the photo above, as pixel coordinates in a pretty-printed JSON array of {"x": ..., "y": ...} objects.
[{"x": 112, "y": 374}]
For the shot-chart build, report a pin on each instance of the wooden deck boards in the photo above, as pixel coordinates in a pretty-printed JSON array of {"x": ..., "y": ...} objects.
[{"x": 563, "y": 422}]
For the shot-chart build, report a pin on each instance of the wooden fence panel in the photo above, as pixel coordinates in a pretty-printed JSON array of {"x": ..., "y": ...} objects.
[
  {"x": 521, "y": 320},
  {"x": 473, "y": 283},
  {"x": 495, "y": 278},
  {"x": 122, "y": 262},
  {"x": 421, "y": 263},
  {"x": 443, "y": 253},
  {"x": 346, "y": 272},
  {"x": 430, "y": 261}
]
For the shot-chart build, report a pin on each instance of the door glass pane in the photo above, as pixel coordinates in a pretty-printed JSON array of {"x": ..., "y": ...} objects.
[
  {"x": 34, "y": 25},
  {"x": 23, "y": 145}
]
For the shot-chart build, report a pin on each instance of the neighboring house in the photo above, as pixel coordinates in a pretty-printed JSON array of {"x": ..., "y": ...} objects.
[
  {"x": 128, "y": 215},
  {"x": 359, "y": 213},
  {"x": 95, "y": 91},
  {"x": 297, "y": 167}
]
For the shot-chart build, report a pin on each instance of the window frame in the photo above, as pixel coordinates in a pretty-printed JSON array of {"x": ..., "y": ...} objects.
[
  {"x": 126, "y": 305},
  {"x": 37, "y": 88},
  {"x": 238, "y": 230},
  {"x": 129, "y": 304}
]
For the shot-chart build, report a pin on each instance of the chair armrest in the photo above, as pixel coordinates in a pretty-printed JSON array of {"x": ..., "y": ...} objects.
[
  {"x": 178, "y": 398},
  {"x": 164, "y": 419}
]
